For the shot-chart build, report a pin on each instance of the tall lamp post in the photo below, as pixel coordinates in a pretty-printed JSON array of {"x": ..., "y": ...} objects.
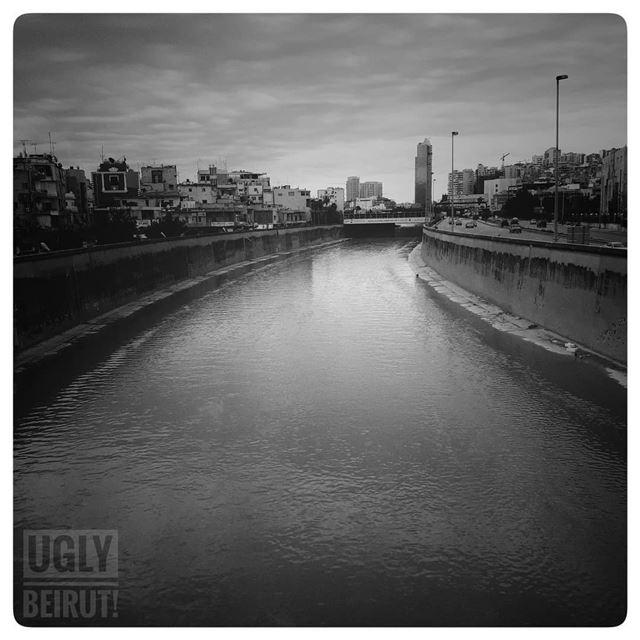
[
  {"x": 433, "y": 206},
  {"x": 453, "y": 134},
  {"x": 556, "y": 154}
]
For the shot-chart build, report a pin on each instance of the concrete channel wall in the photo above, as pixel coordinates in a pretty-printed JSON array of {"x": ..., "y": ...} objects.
[
  {"x": 574, "y": 290},
  {"x": 53, "y": 292}
]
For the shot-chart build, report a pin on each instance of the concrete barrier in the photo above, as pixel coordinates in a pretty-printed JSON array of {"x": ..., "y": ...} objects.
[
  {"x": 53, "y": 292},
  {"x": 576, "y": 291}
]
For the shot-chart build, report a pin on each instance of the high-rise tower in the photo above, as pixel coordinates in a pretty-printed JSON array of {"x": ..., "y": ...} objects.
[
  {"x": 353, "y": 188},
  {"x": 424, "y": 172}
]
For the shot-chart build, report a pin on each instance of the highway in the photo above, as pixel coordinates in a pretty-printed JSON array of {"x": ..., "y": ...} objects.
[{"x": 598, "y": 236}]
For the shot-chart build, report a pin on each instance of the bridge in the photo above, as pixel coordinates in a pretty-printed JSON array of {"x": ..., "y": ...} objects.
[{"x": 385, "y": 217}]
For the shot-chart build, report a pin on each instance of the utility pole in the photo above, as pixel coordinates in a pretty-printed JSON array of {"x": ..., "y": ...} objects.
[{"x": 556, "y": 154}]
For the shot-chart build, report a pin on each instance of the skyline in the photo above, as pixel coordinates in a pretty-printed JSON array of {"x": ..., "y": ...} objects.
[{"x": 312, "y": 99}]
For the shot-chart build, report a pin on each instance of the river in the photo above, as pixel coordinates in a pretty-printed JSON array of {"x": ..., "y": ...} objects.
[{"x": 324, "y": 441}]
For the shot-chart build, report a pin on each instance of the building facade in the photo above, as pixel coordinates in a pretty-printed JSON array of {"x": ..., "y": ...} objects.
[
  {"x": 613, "y": 185},
  {"x": 423, "y": 175},
  {"x": 335, "y": 196},
  {"x": 463, "y": 182},
  {"x": 495, "y": 187},
  {"x": 287, "y": 197},
  {"x": 114, "y": 183},
  {"x": 371, "y": 189},
  {"x": 39, "y": 189},
  {"x": 162, "y": 177},
  {"x": 353, "y": 188}
]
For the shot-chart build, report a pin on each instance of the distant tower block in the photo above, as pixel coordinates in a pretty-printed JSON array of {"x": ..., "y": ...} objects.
[{"x": 423, "y": 174}]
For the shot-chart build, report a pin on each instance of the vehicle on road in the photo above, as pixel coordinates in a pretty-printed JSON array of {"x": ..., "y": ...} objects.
[
  {"x": 504, "y": 223},
  {"x": 532, "y": 221},
  {"x": 459, "y": 222},
  {"x": 542, "y": 224},
  {"x": 470, "y": 225},
  {"x": 515, "y": 228},
  {"x": 615, "y": 245}
]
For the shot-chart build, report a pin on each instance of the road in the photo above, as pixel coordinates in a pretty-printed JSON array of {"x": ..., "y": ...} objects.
[{"x": 598, "y": 236}]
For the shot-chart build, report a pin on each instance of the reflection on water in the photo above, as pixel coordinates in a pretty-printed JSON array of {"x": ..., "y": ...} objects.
[{"x": 324, "y": 442}]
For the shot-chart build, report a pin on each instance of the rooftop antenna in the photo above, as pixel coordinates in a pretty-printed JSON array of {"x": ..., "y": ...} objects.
[
  {"x": 51, "y": 144},
  {"x": 24, "y": 145},
  {"x": 102, "y": 153}
]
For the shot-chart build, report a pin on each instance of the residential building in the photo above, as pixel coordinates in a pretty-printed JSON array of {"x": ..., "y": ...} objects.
[
  {"x": 353, "y": 188},
  {"x": 39, "y": 189},
  {"x": 481, "y": 175},
  {"x": 208, "y": 175},
  {"x": 497, "y": 186},
  {"x": 157, "y": 178},
  {"x": 370, "y": 189},
  {"x": 463, "y": 182},
  {"x": 114, "y": 183},
  {"x": 424, "y": 175},
  {"x": 335, "y": 195},
  {"x": 572, "y": 158},
  {"x": 366, "y": 204},
  {"x": 549, "y": 155},
  {"x": 613, "y": 189},
  {"x": 193, "y": 194},
  {"x": 593, "y": 158},
  {"x": 287, "y": 197},
  {"x": 77, "y": 183},
  {"x": 515, "y": 170}
]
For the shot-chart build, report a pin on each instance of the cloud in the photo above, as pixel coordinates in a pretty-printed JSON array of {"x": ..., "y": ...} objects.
[{"x": 318, "y": 97}]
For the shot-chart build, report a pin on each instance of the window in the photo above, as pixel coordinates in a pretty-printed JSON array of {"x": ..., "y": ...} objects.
[{"x": 156, "y": 176}]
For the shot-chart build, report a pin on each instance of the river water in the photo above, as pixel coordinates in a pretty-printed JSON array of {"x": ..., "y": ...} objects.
[{"x": 324, "y": 441}]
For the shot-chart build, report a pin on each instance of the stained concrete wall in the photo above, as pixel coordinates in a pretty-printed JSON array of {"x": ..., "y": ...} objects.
[
  {"x": 577, "y": 291},
  {"x": 53, "y": 292}
]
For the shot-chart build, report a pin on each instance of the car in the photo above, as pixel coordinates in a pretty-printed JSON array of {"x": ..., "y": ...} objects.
[
  {"x": 459, "y": 222},
  {"x": 542, "y": 224},
  {"x": 615, "y": 245},
  {"x": 515, "y": 228},
  {"x": 532, "y": 221},
  {"x": 504, "y": 223},
  {"x": 470, "y": 225}
]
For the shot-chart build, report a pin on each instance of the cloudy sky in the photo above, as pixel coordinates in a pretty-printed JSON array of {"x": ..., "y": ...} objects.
[{"x": 311, "y": 99}]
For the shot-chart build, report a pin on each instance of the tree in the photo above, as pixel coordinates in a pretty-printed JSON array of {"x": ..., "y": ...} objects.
[{"x": 170, "y": 226}]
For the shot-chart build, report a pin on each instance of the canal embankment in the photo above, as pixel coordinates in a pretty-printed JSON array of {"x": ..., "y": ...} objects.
[
  {"x": 576, "y": 291},
  {"x": 67, "y": 300}
]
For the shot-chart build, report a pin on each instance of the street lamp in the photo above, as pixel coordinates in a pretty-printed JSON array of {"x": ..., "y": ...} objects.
[
  {"x": 433, "y": 188},
  {"x": 453, "y": 134},
  {"x": 556, "y": 154}
]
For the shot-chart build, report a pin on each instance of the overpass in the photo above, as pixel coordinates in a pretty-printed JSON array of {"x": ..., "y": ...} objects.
[{"x": 400, "y": 218}]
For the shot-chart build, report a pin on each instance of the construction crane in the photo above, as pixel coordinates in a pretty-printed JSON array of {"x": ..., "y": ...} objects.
[{"x": 503, "y": 157}]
